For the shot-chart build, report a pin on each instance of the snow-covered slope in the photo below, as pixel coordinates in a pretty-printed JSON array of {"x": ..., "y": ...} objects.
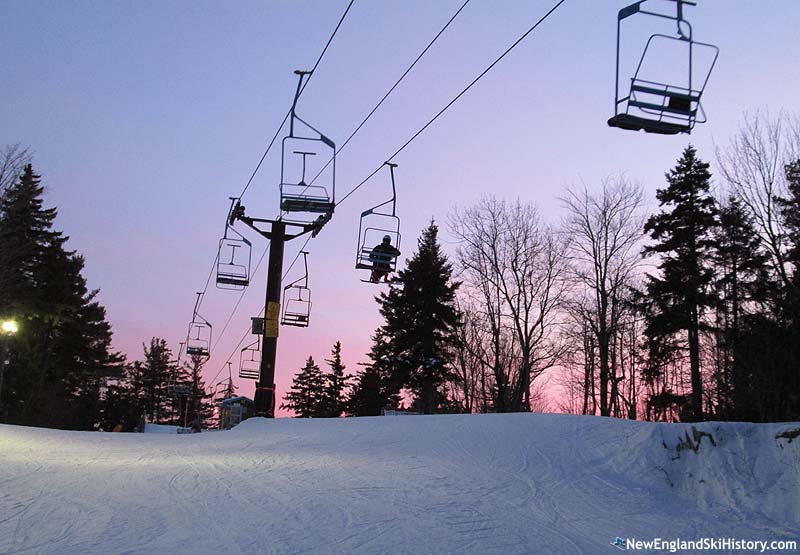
[{"x": 517, "y": 483}]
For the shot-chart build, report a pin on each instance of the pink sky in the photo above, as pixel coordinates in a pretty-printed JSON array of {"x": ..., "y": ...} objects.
[{"x": 146, "y": 117}]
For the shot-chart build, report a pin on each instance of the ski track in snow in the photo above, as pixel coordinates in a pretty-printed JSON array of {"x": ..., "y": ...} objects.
[{"x": 489, "y": 484}]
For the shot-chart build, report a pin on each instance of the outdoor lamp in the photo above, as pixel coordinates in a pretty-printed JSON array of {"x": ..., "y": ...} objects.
[{"x": 9, "y": 327}]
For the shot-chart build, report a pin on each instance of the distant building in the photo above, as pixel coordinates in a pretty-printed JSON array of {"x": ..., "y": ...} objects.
[
  {"x": 232, "y": 411},
  {"x": 399, "y": 412}
]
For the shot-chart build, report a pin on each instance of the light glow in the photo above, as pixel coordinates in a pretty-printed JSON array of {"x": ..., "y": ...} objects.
[{"x": 10, "y": 326}]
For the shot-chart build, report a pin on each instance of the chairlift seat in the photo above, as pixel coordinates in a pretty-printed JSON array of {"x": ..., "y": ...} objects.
[
  {"x": 368, "y": 259},
  {"x": 637, "y": 123},
  {"x": 197, "y": 350},
  {"x": 292, "y": 319},
  {"x": 235, "y": 281},
  {"x": 303, "y": 203},
  {"x": 248, "y": 373}
]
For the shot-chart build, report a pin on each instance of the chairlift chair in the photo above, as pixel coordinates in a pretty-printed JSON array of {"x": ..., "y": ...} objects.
[
  {"x": 297, "y": 300},
  {"x": 308, "y": 170},
  {"x": 373, "y": 227},
  {"x": 234, "y": 257},
  {"x": 198, "y": 339},
  {"x": 654, "y": 105},
  {"x": 250, "y": 361}
]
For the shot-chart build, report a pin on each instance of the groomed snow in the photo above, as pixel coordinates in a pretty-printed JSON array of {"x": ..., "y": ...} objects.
[{"x": 506, "y": 484}]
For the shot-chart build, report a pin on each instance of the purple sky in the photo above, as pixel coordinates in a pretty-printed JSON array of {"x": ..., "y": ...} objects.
[{"x": 146, "y": 116}]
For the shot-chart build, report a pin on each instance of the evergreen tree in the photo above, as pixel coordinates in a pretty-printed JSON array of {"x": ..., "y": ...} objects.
[
  {"x": 375, "y": 386},
  {"x": 199, "y": 409},
  {"x": 421, "y": 322},
  {"x": 60, "y": 359},
  {"x": 334, "y": 400},
  {"x": 790, "y": 211},
  {"x": 365, "y": 398},
  {"x": 306, "y": 394},
  {"x": 741, "y": 276},
  {"x": 156, "y": 369},
  {"x": 682, "y": 236}
]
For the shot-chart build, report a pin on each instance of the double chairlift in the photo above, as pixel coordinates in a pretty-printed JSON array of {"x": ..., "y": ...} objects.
[{"x": 664, "y": 93}]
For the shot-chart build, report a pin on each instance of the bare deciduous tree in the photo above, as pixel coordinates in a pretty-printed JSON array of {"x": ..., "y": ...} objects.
[
  {"x": 753, "y": 165},
  {"x": 604, "y": 230},
  {"x": 513, "y": 264},
  {"x": 12, "y": 163}
]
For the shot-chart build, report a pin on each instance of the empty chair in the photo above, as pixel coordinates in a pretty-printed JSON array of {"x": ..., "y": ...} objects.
[
  {"x": 198, "y": 338},
  {"x": 297, "y": 300},
  {"x": 308, "y": 170},
  {"x": 250, "y": 361},
  {"x": 664, "y": 94},
  {"x": 233, "y": 263}
]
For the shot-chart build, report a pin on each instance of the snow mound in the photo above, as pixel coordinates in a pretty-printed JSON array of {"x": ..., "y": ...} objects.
[{"x": 514, "y": 483}]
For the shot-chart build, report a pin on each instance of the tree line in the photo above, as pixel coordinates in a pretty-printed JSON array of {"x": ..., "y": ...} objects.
[
  {"x": 58, "y": 369},
  {"x": 690, "y": 313}
]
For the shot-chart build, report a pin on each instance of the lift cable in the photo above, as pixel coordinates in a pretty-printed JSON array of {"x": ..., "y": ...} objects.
[
  {"x": 390, "y": 91},
  {"x": 455, "y": 99}
]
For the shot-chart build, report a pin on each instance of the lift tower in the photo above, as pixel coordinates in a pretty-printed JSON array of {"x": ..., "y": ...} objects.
[{"x": 277, "y": 232}]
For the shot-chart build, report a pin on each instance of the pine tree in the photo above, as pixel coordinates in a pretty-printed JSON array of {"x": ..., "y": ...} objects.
[
  {"x": 199, "y": 410},
  {"x": 334, "y": 400},
  {"x": 790, "y": 211},
  {"x": 157, "y": 368},
  {"x": 741, "y": 276},
  {"x": 375, "y": 387},
  {"x": 306, "y": 394},
  {"x": 61, "y": 358},
  {"x": 421, "y": 322},
  {"x": 682, "y": 235},
  {"x": 177, "y": 392},
  {"x": 365, "y": 397}
]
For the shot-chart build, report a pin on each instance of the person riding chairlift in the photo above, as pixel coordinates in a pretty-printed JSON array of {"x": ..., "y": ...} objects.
[{"x": 381, "y": 257}]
